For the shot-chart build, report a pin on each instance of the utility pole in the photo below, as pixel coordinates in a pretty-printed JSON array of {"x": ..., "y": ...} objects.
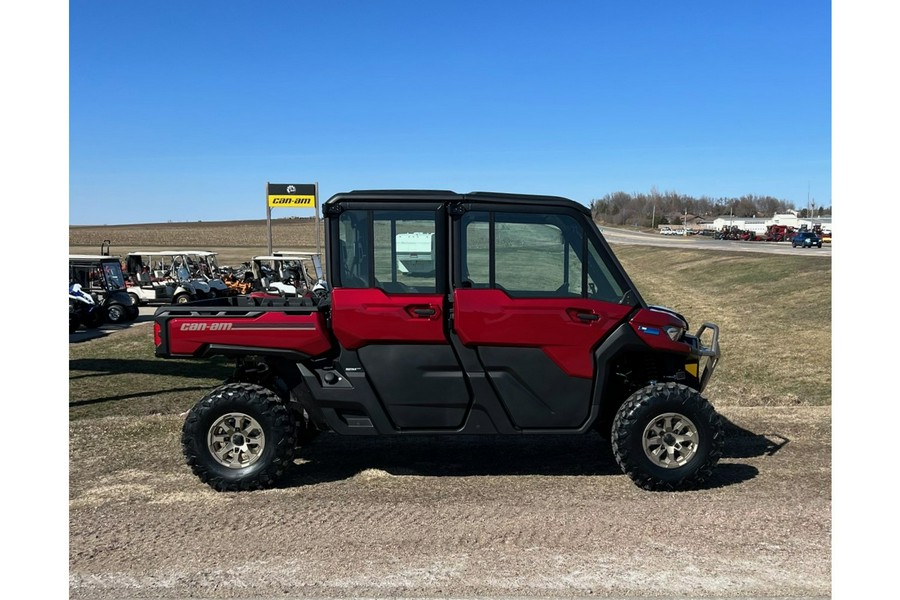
[
  {"x": 653, "y": 217},
  {"x": 318, "y": 225},
  {"x": 807, "y": 199}
]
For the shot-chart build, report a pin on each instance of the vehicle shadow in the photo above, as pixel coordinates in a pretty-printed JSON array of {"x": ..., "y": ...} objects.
[
  {"x": 84, "y": 334},
  {"x": 332, "y": 457},
  {"x": 743, "y": 443},
  {"x": 103, "y": 367}
]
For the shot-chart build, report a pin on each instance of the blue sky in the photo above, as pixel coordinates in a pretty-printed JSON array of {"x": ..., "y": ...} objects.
[{"x": 183, "y": 111}]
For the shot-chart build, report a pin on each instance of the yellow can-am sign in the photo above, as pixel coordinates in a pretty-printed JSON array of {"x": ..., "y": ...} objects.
[{"x": 291, "y": 195}]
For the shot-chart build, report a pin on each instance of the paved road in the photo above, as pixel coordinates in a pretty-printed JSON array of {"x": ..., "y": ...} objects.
[{"x": 633, "y": 238}]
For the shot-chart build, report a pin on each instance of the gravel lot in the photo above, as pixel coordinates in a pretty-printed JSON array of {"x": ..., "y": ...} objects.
[{"x": 456, "y": 517}]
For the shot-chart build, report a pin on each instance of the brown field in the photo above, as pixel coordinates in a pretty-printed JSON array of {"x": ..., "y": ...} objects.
[{"x": 236, "y": 241}]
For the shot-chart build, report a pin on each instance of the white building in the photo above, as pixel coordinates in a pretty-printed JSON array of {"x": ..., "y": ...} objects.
[{"x": 759, "y": 226}]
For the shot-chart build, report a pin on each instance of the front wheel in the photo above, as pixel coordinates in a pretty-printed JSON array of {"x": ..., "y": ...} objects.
[
  {"x": 93, "y": 319},
  {"x": 181, "y": 298},
  {"x": 667, "y": 437},
  {"x": 240, "y": 436}
]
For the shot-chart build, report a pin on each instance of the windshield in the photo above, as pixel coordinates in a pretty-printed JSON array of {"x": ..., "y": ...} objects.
[
  {"x": 203, "y": 265},
  {"x": 115, "y": 279},
  {"x": 300, "y": 267},
  {"x": 180, "y": 269},
  {"x": 213, "y": 264}
]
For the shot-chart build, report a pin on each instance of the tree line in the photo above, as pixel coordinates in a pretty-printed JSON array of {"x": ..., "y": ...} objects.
[{"x": 654, "y": 208}]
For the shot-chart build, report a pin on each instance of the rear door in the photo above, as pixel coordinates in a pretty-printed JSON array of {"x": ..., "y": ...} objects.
[
  {"x": 392, "y": 315},
  {"x": 534, "y": 293}
]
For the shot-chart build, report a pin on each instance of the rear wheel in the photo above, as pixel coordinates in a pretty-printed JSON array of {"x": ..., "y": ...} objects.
[
  {"x": 74, "y": 322},
  {"x": 135, "y": 299},
  {"x": 238, "y": 437},
  {"x": 116, "y": 313},
  {"x": 667, "y": 437}
]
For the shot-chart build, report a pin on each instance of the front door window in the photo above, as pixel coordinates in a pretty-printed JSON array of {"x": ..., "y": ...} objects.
[{"x": 535, "y": 256}]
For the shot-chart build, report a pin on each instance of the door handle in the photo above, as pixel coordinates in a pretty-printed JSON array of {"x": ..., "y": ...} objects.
[
  {"x": 583, "y": 315},
  {"x": 422, "y": 311}
]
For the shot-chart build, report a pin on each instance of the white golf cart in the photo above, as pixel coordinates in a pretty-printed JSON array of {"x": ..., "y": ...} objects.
[
  {"x": 288, "y": 274},
  {"x": 163, "y": 277},
  {"x": 204, "y": 266}
]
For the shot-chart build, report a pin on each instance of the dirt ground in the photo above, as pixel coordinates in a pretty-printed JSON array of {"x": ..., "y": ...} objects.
[{"x": 455, "y": 517}]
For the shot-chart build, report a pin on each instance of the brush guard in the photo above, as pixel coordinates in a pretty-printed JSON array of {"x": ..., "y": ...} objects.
[{"x": 707, "y": 355}]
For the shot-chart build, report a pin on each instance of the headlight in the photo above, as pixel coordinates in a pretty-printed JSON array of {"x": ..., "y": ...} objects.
[{"x": 674, "y": 332}]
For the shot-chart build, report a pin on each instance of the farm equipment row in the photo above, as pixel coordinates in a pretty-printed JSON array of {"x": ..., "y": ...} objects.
[{"x": 774, "y": 233}]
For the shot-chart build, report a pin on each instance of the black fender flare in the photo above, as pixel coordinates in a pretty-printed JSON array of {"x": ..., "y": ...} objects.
[{"x": 622, "y": 339}]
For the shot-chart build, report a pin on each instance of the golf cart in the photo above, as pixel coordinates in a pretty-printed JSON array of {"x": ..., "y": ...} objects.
[
  {"x": 204, "y": 267},
  {"x": 288, "y": 275},
  {"x": 309, "y": 262},
  {"x": 101, "y": 277},
  {"x": 163, "y": 277}
]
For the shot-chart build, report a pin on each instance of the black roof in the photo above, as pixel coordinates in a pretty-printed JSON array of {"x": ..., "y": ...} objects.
[{"x": 379, "y": 196}]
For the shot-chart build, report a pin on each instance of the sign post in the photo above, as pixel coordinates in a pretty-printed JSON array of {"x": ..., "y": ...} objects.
[
  {"x": 291, "y": 195},
  {"x": 318, "y": 251}
]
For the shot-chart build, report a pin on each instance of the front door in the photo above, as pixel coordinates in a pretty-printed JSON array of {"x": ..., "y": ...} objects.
[{"x": 533, "y": 298}]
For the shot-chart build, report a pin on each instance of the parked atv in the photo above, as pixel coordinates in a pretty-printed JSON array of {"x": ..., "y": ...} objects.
[{"x": 83, "y": 309}]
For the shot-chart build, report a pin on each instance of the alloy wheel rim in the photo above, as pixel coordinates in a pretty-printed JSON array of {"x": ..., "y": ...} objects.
[
  {"x": 670, "y": 440},
  {"x": 236, "y": 440}
]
